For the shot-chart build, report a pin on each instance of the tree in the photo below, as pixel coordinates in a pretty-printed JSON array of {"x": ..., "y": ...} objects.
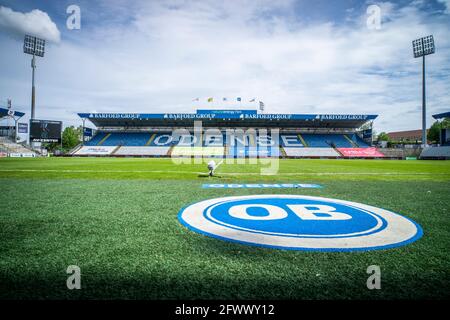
[
  {"x": 435, "y": 130},
  {"x": 71, "y": 137},
  {"x": 383, "y": 137}
]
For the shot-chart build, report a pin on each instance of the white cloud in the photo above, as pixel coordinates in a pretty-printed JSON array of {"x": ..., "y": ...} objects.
[
  {"x": 447, "y": 5},
  {"x": 35, "y": 22}
]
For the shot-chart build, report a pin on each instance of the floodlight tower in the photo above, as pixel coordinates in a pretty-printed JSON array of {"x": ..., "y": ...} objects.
[
  {"x": 422, "y": 47},
  {"x": 34, "y": 46}
]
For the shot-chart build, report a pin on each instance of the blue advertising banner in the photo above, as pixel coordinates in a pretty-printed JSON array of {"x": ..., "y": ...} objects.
[
  {"x": 88, "y": 132},
  {"x": 226, "y": 112},
  {"x": 22, "y": 127},
  {"x": 367, "y": 134},
  {"x": 233, "y": 115}
]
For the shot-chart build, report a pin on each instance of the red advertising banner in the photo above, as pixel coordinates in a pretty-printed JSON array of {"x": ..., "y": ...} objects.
[{"x": 360, "y": 152}]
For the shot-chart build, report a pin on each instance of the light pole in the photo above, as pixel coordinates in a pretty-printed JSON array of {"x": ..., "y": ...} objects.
[
  {"x": 422, "y": 47},
  {"x": 35, "y": 47}
]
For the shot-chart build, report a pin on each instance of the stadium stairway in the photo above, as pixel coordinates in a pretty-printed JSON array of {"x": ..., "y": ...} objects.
[
  {"x": 104, "y": 139},
  {"x": 339, "y": 153},
  {"x": 8, "y": 146},
  {"x": 282, "y": 152},
  {"x": 169, "y": 153},
  {"x": 150, "y": 140},
  {"x": 115, "y": 150},
  {"x": 302, "y": 140},
  {"x": 75, "y": 149},
  {"x": 353, "y": 143}
]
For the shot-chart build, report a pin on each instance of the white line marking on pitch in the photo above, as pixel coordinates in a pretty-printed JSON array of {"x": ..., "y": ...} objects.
[
  {"x": 97, "y": 171},
  {"x": 337, "y": 173}
]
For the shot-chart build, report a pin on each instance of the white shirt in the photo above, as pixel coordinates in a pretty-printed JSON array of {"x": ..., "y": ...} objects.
[{"x": 211, "y": 165}]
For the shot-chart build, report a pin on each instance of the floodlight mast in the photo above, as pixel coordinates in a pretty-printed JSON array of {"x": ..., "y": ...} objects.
[
  {"x": 33, "y": 96},
  {"x": 424, "y": 103},
  {"x": 422, "y": 47},
  {"x": 34, "y": 46}
]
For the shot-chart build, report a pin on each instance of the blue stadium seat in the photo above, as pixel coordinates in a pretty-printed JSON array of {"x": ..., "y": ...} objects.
[
  {"x": 360, "y": 142},
  {"x": 252, "y": 148},
  {"x": 240, "y": 147},
  {"x": 96, "y": 139},
  {"x": 127, "y": 139},
  {"x": 326, "y": 140},
  {"x": 291, "y": 140},
  {"x": 161, "y": 139}
]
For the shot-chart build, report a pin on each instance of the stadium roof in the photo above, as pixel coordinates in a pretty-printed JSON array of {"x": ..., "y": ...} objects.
[
  {"x": 5, "y": 112},
  {"x": 227, "y": 118},
  {"x": 442, "y": 115}
]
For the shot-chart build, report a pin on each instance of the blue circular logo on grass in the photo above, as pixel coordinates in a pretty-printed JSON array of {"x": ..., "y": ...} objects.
[{"x": 300, "y": 223}]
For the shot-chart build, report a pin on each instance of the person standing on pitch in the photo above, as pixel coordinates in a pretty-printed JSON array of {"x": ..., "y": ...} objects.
[{"x": 211, "y": 167}]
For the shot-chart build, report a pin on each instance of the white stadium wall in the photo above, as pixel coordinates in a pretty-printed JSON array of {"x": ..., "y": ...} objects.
[
  {"x": 311, "y": 152},
  {"x": 94, "y": 151},
  {"x": 142, "y": 151}
]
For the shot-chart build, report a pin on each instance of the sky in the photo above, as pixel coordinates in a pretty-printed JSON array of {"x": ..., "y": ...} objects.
[{"x": 295, "y": 56}]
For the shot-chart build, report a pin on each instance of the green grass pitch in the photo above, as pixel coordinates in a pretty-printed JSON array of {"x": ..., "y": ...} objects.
[{"x": 117, "y": 220}]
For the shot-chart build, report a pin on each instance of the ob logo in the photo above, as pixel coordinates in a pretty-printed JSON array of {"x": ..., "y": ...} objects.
[{"x": 300, "y": 223}]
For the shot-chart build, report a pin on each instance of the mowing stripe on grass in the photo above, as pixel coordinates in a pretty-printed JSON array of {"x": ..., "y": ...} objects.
[{"x": 230, "y": 173}]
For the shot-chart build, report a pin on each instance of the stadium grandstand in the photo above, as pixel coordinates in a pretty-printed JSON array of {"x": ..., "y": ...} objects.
[
  {"x": 228, "y": 133},
  {"x": 8, "y": 136},
  {"x": 442, "y": 151}
]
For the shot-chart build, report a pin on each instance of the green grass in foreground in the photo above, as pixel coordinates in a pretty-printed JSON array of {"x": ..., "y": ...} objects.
[{"x": 117, "y": 220}]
